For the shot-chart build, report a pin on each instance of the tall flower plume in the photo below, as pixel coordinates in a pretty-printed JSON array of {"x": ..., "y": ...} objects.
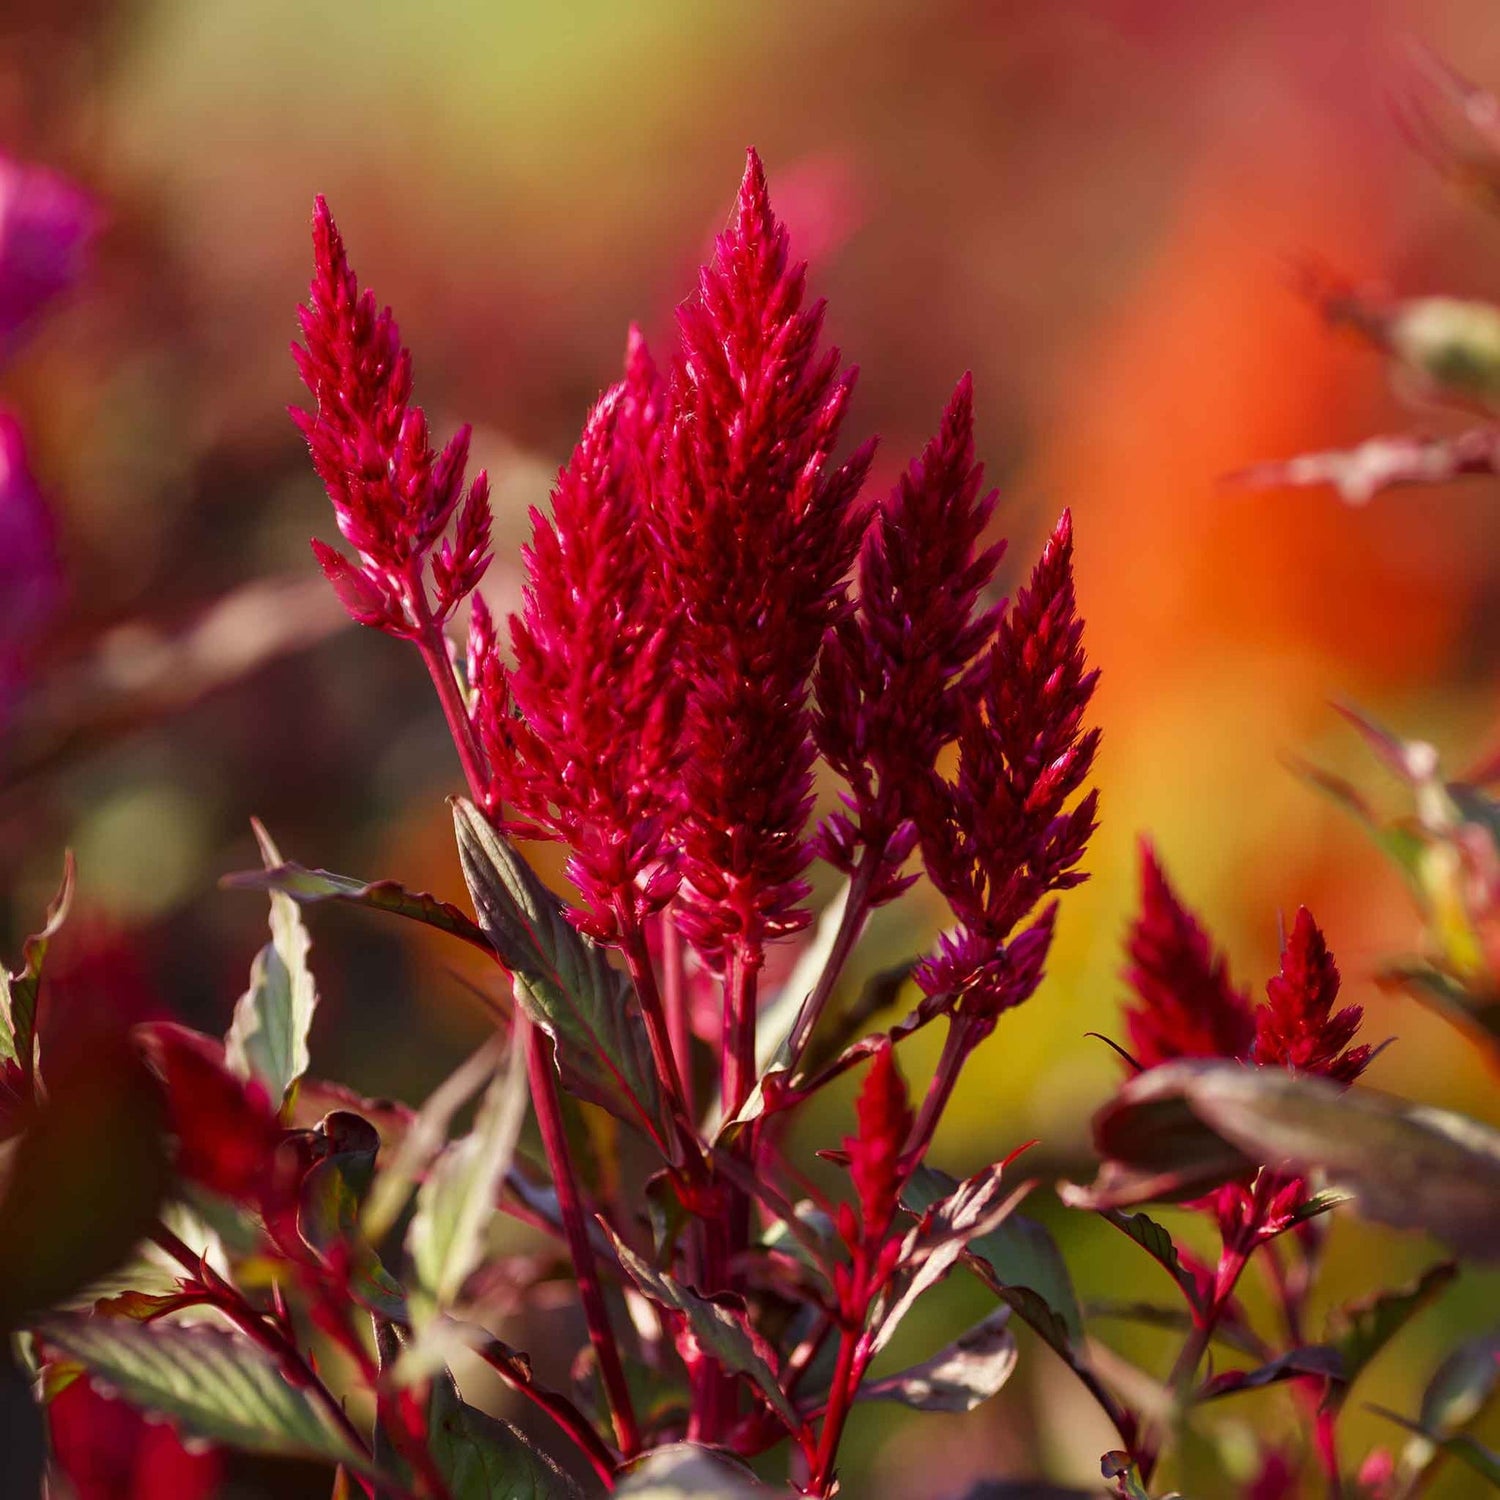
[
  {"x": 890, "y": 679},
  {"x": 392, "y": 494},
  {"x": 757, "y": 528},
  {"x": 1001, "y": 836},
  {"x": 1187, "y": 1005},
  {"x": 582, "y": 732},
  {"x": 1298, "y": 1027}
]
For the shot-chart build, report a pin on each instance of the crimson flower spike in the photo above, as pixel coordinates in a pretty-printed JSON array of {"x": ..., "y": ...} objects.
[
  {"x": 889, "y": 683},
  {"x": 757, "y": 528},
  {"x": 1186, "y": 1004},
  {"x": 1000, "y": 837},
  {"x": 392, "y": 494},
  {"x": 1298, "y": 1028},
  {"x": 582, "y": 732}
]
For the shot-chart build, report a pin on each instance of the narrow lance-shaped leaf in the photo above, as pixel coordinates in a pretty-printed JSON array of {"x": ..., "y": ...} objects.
[
  {"x": 1181, "y": 1129},
  {"x": 563, "y": 980},
  {"x": 723, "y": 1331},
  {"x": 209, "y": 1383},
  {"x": 969, "y": 1371},
  {"x": 424, "y": 1136},
  {"x": 268, "y": 1037},
  {"x": 1019, "y": 1253},
  {"x": 483, "y": 1458},
  {"x": 18, "y": 990},
  {"x": 457, "y": 1200},
  {"x": 313, "y": 887},
  {"x": 1467, "y": 1450},
  {"x": 1360, "y": 1331}
]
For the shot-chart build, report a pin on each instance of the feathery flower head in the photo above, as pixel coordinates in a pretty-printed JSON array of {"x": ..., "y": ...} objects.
[
  {"x": 1001, "y": 835},
  {"x": 1298, "y": 1028},
  {"x": 757, "y": 527},
  {"x": 889, "y": 682},
  {"x": 1186, "y": 1004},
  {"x": 392, "y": 494},
  {"x": 582, "y": 732}
]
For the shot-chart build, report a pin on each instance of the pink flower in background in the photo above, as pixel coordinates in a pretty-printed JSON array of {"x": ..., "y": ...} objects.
[
  {"x": 30, "y": 577},
  {"x": 46, "y": 224}
]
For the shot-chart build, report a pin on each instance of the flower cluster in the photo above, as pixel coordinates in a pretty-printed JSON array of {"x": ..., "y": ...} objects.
[
  {"x": 1186, "y": 1005},
  {"x": 392, "y": 494}
]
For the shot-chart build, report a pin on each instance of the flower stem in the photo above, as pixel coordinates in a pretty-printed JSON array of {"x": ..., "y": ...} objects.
[
  {"x": 851, "y": 923},
  {"x": 575, "y": 1228}
]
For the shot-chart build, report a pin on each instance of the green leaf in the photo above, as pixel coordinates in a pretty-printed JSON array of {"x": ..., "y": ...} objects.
[
  {"x": 1158, "y": 1244},
  {"x": 1469, "y": 1451},
  {"x": 1019, "y": 1253},
  {"x": 483, "y": 1458},
  {"x": 721, "y": 1327},
  {"x": 958, "y": 1378},
  {"x": 684, "y": 1471},
  {"x": 563, "y": 981},
  {"x": 457, "y": 1200},
  {"x": 1462, "y": 1385},
  {"x": 1322, "y": 1360},
  {"x": 18, "y": 990},
  {"x": 423, "y": 1136},
  {"x": 268, "y": 1037},
  {"x": 312, "y": 887},
  {"x": 1407, "y": 1165},
  {"x": 1360, "y": 1331},
  {"x": 209, "y": 1383},
  {"x": 1476, "y": 1011}
]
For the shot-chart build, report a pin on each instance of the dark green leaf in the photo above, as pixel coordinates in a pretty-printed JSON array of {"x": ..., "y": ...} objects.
[
  {"x": 562, "y": 979},
  {"x": 1360, "y": 1331},
  {"x": 1019, "y": 1253},
  {"x": 1406, "y": 1165},
  {"x": 722, "y": 1328},
  {"x": 268, "y": 1037},
  {"x": 969, "y": 1371},
  {"x": 1469, "y": 1451},
  {"x": 1321, "y": 1360},
  {"x": 483, "y": 1458},
  {"x": 1475, "y": 1011},
  {"x": 1462, "y": 1385},
  {"x": 210, "y": 1384},
  {"x": 311, "y": 887},
  {"x": 1157, "y": 1243}
]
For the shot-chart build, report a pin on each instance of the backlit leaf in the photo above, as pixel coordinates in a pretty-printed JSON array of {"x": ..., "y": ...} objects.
[{"x": 970, "y": 1370}]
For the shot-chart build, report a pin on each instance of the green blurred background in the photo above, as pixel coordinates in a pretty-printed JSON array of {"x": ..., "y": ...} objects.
[{"x": 1091, "y": 203}]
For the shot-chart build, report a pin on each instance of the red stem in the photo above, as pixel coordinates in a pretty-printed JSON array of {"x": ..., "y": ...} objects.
[
  {"x": 432, "y": 644},
  {"x": 956, "y": 1048},
  {"x": 575, "y": 1229},
  {"x": 638, "y": 961},
  {"x": 675, "y": 1002},
  {"x": 851, "y": 923}
]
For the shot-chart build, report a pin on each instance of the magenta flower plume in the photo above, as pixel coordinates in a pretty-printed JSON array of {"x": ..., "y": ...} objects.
[
  {"x": 582, "y": 732},
  {"x": 392, "y": 494},
  {"x": 1298, "y": 1028},
  {"x": 1001, "y": 836},
  {"x": 758, "y": 527},
  {"x": 46, "y": 224},
  {"x": 1187, "y": 1005},
  {"x": 889, "y": 682}
]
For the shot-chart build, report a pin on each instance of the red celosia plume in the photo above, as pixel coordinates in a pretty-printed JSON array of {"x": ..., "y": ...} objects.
[
  {"x": 1297, "y": 1027},
  {"x": 1001, "y": 835},
  {"x": 889, "y": 682},
  {"x": 1186, "y": 1005},
  {"x": 582, "y": 733},
  {"x": 392, "y": 494},
  {"x": 757, "y": 529}
]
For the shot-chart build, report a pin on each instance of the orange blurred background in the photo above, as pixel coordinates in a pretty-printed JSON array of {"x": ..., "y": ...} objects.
[{"x": 1093, "y": 204}]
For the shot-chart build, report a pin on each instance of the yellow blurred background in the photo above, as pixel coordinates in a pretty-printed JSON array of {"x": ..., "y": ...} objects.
[{"x": 1093, "y": 204}]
